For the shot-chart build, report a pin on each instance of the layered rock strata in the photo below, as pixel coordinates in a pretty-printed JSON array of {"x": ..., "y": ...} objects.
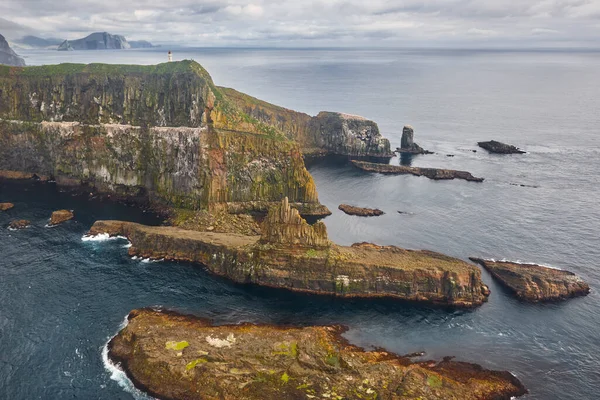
[
  {"x": 360, "y": 211},
  {"x": 407, "y": 144},
  {"x": 535, "y": 283},
  {"x": 431, "y": 173},
  {"x": 173, "y": 356},
  {"x": 500, "y": 148},
  {"x": 296, "y": 256}
]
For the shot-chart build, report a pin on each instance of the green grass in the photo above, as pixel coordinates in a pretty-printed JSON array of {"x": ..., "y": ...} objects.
[{"x": 172, "y": 345}]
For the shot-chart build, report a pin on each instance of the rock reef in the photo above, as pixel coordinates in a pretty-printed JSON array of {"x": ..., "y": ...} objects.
[
  {"x": 19, "y": 224},
  {"x": 407, "y": 144},
  {"x": 500, "y": 148},
  {"x": 291, "y": 254},
  {"x": 8, "y": 56},
  {"x": 6, "y": 206},
  {"x": 362, "y": 212},
  {"x": 431, "y": 173},
  {"x": 60, "y": 216},
  {"x": 535, "y": 283},
  {"x": 173, "y": 356}
]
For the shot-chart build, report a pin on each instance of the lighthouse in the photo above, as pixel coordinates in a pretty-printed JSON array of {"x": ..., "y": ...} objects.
[{"x": 170, "y": 56}]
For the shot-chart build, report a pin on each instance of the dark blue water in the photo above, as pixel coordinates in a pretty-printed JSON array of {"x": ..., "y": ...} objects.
[{"x": 62, "y": 298}]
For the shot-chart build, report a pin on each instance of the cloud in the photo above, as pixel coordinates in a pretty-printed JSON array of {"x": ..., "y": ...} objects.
[{"x": 311, "y": 22}]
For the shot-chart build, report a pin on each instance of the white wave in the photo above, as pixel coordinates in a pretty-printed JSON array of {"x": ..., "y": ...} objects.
[
  {"x": 118, "y": 375},
  {"x": 128, "y": 245},
  {"x": 50, "y": 226},
  {"x": 527, "y": 263},
  {"x": 101, "y": 237},
  {"x": 149, "y": 260}
]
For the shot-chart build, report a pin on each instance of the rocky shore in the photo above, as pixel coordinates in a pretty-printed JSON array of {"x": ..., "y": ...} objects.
[
  {"x": 500, "y": 148},
  {"x": 291, "y": 254},
  {"x": 431, "y": 173},
  {"x": 173, "y": 356},
  {"x": 535, "y": 283},
  {"x": 360, "y": 211}
]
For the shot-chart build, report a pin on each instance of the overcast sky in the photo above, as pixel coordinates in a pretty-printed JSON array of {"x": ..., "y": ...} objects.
[{"x": 313, "y": 22}]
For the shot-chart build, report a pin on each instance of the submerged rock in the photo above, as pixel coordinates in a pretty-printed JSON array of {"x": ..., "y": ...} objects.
[
  {"x": 293, "y": 255},
  {"x": 500, "y": 148},
  {"x": 60, "y": 216},
  {"x": 407, "y": 142},
  {"x": 174, "y": 356},
  {"x": 19, "y": 224},
  {"x": 535, "y": 283},
  {"x": 6, "y": 206},
  {"x": 431, "y": 173},
  {"x": 363, "y": 212}
]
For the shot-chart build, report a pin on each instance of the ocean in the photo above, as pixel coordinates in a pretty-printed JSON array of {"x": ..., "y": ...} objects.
[{"x": 62, "y": 298}]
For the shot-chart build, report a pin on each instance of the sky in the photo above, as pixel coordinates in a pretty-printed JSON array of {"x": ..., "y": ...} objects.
[{"x": 313, "y": 23}]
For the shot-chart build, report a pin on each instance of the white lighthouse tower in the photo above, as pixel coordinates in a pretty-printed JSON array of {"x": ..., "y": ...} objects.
[{"x": 170, "y": 56}]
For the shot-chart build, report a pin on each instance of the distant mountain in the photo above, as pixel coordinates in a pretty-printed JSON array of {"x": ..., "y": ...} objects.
[
  {"x": 102, "y": 41},
  {"x": 38, "y": 42},
  {"x": 8, "y": 56},
  {"x": 140, "y": 44}
]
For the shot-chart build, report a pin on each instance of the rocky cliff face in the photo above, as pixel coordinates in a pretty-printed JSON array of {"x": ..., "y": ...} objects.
[
  {"x": 150, "y": 129},
  {"x": 96, "y": 41},
  {"x": 8, "y": 56},
  {"x": 174, "y": 356},
  {"x": 327, "y": 133}
]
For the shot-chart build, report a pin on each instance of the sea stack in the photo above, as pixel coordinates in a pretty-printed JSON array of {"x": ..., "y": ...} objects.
[{"x": 407, "y": 143}]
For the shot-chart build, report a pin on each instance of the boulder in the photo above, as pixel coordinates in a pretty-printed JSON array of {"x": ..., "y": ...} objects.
[
  {"x": 6, "y": 206},
  {"x": 174, "y": 356},
  {"x": 500, "y": 148},
  {"x": 535, "y": 283},
  {"x": 363, "y": 212},
  {"x": 60, "y": 216},
  {"x": 19, "y": 224}
]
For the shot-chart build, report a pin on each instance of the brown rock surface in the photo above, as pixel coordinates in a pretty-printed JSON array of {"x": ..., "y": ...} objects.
[
  {"x": 294, "y": 255},
  {"x": 60, "y": 216},
  {"x": 431, "y": 173},
  {"x": 6, "y": 206},
  {"x": 173, "y": 356},
  {"x": 363, "y": 212},
  {"x": 19, "y": 224},
  {"x": 535, "y": 283}
]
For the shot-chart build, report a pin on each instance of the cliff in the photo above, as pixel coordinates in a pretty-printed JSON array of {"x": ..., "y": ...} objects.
[
  {"x": 173, "y": 356},
  {"x": 96, "y": 41},
  {"x": 8, "y": 56},
  {"x": 293, "y": 255},
  {"x": 147, "y": 130}
]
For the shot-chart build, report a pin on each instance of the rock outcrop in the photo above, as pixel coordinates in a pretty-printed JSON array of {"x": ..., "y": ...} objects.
[
  {"x": 535, "y": 283},
  {"x": 96, "y": 41},
  {"x": 19, "y": 224},
  {"x": 407, "y": 144},
  {"x": 6, "y": 206},
  {"x": 500, "y": 148},
  {"x": 60, "y": 216},
  {"x": 173, "y": 356},
  {"x": 363, "y": 212},
  {"x": 296, "y": 256},
  {"x": 8, "y": 56},
  {"x": 147, "y": 132},
  {"x": 431, "y": 173}
]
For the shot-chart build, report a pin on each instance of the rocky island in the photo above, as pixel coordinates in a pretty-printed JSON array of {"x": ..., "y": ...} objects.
[
  {"x": 360, "y": 211},
  {"x": 500, "y": 148},
  {"x": 431, "y": 173},
  {"x": 6, "y": 206},
  {"x": 535, "y": 283},
  {"x": 173, "y": 356},
  {"x": 291, "y": 254},
  {"x": 8, "y": 55},
  {"x": 19, "y": 224},
  {"x": 60, "y": 216},
  {"x": 102, "y": 41}
]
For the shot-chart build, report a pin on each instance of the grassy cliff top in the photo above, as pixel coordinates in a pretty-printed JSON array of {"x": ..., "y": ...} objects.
[{"x": 185, "y": 66}]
